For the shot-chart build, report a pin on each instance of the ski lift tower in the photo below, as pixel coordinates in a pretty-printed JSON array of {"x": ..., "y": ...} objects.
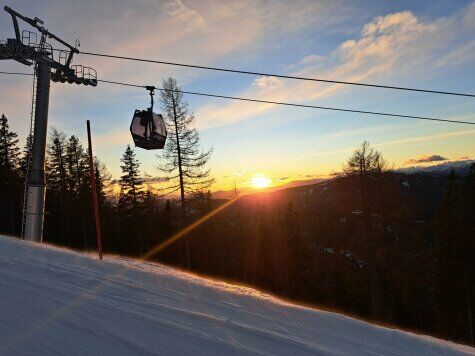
[{"x": 25, "y": 49}]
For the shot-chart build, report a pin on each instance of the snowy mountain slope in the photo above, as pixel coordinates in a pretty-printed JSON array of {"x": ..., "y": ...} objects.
[{"x": 58, "y": 302}]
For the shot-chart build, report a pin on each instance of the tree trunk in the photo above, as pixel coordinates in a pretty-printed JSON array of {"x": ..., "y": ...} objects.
[{"x": 182, "y": 186}]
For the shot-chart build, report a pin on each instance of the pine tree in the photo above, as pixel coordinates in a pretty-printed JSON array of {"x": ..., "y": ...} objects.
[
  {"x": 78, "y": 187},
  {"x": 57, "y": 174},
  {"x": 131, "y": 184},
  {"x": 468, "y": 251},
  {"x": 103, "y": 183},
  {"x": 130, "y": 200},
  {"x": 183, "y": 162},
  {"x": 447, "y": 227},
  {"x": 9, "y": 151},
  {"x": 104, "y": 191},
  {"x": 77, "y": 166},
  {"x": 9, "y": 178},
  {"x": 149, "y": 220},
  {"x": 58, "y": 227},
  {"x": 25, "y": 159},
  {"x": 454, "y": 258}
]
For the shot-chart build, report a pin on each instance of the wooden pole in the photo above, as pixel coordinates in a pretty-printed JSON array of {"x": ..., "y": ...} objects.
[{"x": 94, "y": 192}]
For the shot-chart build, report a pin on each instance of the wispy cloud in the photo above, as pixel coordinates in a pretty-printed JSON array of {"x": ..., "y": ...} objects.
[
  {"x": 397, "y": 41},
  {"x": 434, "y": 137},
  {"x": 428, "y": 137}
]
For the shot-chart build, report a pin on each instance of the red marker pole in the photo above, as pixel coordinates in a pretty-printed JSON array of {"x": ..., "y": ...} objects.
[{"x": 94, "y": 192}]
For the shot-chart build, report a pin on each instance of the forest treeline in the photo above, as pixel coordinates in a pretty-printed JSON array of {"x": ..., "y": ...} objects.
[{"x": 385, "y": 246}]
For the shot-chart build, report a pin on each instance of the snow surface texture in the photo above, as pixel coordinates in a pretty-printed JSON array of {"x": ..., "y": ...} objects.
[{"x": 58, "y": 302}]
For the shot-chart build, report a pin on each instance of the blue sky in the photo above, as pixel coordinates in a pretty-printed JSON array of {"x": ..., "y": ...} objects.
[{"x": 426, "y": 44}]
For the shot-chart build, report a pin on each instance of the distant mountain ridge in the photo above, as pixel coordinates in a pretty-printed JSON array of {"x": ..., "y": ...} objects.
[{"x": 460, "y": 167}]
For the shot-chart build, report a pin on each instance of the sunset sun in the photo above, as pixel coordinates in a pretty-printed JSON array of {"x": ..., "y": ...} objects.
[{"x": 261, "y": 182}]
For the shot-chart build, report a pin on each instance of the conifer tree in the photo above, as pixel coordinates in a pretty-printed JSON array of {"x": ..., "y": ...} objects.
[
  {"x": 9, "y": 151},
  {"x": 454, "y": 258},
  {"x": 77, "y": 166},
  {"x": 25, "y": 158},
  {"x": 130, "y": 200},
  {"x": 78, "y": 187},
  {"x": 57, "y": 177},
  {"x": 131, "y": 184},
  {"x": 103, "y": 183},
  {"x": 58, "y": 227},
  {"x": 9, "y": 177},
  {"x": 468, "y": 251}
]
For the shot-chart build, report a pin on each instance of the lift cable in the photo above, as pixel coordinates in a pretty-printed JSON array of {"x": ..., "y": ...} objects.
[
  {"x": 293, "y": 104},
  {"x": 236, "y": 71},
  {"x": 282, "y": 103}
]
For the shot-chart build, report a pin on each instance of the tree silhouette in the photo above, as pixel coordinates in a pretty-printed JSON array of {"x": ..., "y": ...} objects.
[
  {"x": 182, "y": 162},
  {"x": 9, "y": 177},
  {"x": 130, "y": 200}
]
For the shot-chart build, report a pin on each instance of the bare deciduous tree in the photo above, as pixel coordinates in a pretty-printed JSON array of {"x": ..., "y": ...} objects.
[{"x": 182, "y": 162}]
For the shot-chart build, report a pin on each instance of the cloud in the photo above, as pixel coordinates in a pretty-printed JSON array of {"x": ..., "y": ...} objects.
[
  {"x": 426, "y": 159},
  {"x": 203, "y": 32},
  {"x": 387, "y": 48}
]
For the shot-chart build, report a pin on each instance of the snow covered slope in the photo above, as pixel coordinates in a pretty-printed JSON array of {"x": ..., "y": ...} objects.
[{"x": 57, "y": 302}]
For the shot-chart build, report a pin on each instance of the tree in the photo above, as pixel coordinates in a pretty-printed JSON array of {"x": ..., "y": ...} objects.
[
  {"x": 58, "y": 227},
  {"x": 368, "y": 165},
  {"x": 131, "y": 197},
  {"x": 78, "y": 183},
  {"x": 103, "y": 183},
  {"x": 454, "y": 256},
  {"x": 131, "y": 184},
  {"x": 57, "y": 176},
  {"x": 365, "y": 161},
  {"x": 183, "y": 162},
  {"x": 468, "y": 248},
  {"x": 77, "y": 166},
  {"x": 25, "y": 158},
  {"x": 9, "y": 176}
]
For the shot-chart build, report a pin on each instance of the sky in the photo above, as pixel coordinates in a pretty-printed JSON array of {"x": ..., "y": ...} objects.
[{"x": 422, "y": 44}]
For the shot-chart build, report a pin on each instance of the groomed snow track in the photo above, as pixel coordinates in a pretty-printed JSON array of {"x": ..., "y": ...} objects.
[{"x": 57, "y": 302}]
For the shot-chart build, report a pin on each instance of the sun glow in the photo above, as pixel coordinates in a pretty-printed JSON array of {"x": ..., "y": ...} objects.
[{"x": 261, "y": 182}]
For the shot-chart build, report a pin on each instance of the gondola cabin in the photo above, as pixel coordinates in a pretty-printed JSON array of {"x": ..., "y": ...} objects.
[{"x": 148, "y": 130}]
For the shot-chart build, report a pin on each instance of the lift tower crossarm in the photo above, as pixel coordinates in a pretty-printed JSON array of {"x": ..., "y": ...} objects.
[{"x": 36, "y": 23}]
